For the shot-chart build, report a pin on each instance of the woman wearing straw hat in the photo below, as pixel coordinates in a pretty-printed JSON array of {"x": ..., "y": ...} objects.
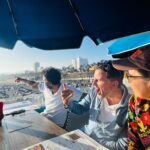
[{"x": 137, "y": 71}]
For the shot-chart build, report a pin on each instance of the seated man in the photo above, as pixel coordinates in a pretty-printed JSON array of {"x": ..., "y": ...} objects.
[
  {"x": 107, "y": 103},
  {"x": 51, "y": 88}
]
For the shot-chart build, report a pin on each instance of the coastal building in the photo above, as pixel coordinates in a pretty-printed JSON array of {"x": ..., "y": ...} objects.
[{"x": 79, "y": 62}]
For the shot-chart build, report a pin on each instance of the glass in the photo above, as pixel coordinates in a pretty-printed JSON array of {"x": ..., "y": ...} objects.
[
  {"x": 39, "y": 100},
  {"x": 128, "y": 76}
]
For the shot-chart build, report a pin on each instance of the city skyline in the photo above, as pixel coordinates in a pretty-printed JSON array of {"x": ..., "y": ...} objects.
[
  {"x": 22, "y": 58},
  {"x": 78, "y": 62}
]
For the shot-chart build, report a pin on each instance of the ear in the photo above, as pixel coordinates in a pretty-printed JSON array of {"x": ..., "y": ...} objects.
[{"x": 115, "y": 83}]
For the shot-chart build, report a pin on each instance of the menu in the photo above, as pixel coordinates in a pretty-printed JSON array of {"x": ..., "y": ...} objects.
[{"x": 74, "y": 140}]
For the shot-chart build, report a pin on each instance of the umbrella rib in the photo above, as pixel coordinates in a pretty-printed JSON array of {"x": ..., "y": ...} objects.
[
  {"x": 12, "y": 16},
  {"x": 76, "y": 14}
]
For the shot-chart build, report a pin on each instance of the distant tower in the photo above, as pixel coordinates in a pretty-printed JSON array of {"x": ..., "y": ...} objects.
[
  {"x": 74, "y": 63},
  {"x": 36, "y": 66},
  {"x": 78, "y": 62}
]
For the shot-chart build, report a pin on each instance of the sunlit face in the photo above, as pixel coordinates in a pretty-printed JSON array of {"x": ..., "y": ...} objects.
[
  {"x": 139, "y": 85},
  {"x": 102, "y": 84}
]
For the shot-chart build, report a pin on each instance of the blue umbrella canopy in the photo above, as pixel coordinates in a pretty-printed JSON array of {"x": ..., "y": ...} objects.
[
  {"x": 62, "y": 24},
  {"x": 129, "y": 43}
]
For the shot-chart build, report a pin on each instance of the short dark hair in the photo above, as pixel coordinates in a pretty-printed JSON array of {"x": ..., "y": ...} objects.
[
  {"x": 53, "y": 75},
  {"x": 112, "y": 73}
]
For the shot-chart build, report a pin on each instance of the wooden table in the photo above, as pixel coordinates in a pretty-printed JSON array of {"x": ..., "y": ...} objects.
[{"x": 26, "y": 129}]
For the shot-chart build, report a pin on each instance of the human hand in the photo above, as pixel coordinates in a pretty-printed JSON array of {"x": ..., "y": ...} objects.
[
  {"x": 66, "y": 94},
  {"x": 18, "y": 79}
]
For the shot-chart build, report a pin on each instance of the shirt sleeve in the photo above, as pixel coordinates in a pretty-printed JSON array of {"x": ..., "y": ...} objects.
[
  {"x": 82, "y": 106},
  {"x": 120, "y": 144},
  {"x": 133, "y": 140},
  {"x": 138, "y": 133}
]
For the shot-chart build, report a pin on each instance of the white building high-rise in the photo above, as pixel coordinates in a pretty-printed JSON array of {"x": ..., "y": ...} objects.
[
  {"x": 36, "y": 66},
  {"x": 74, "y": 63},
  {"x": 78, "y": 62}
]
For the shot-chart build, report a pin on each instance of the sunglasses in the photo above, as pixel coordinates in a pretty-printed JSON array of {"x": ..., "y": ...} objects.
[{"x": 128, "y": 76}]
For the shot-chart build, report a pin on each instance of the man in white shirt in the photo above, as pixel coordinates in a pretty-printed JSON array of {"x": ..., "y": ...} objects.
[{"x": 52, "y": 87}]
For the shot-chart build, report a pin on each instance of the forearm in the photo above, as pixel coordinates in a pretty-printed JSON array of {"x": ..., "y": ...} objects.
[
  {"x": 77, "y": 108},
  {"x": 120, "y": 144},
  {"x": 116, "y": 142},
  {"x": 83, "y": 95},
  {"x": 33, "y": 84}
]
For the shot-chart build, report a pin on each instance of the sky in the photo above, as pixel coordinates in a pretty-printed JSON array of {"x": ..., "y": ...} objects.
[{"x": 22, "y": 57}]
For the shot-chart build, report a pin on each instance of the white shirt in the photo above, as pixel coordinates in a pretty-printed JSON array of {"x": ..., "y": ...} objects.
[
  {"x": 55, "y": 110},
  {"x": 107, "y": 112}
]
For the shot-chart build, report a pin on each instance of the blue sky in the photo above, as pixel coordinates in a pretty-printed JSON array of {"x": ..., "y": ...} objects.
[{"x": 22, "y": 57}]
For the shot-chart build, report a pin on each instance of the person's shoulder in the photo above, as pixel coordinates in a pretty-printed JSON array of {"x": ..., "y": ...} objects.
[{"x": 92, "y": 90}]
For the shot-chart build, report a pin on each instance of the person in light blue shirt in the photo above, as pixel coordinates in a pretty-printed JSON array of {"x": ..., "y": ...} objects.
[{"x": 107, "y": 103}]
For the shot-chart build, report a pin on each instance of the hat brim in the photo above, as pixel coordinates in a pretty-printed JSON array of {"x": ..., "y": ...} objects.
[{"x": 124, "y": 64}]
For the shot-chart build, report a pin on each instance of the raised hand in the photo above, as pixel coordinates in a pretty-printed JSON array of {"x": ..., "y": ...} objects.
[
  {"x": 18, "y": 79},
  {"x": 66, "y": 94}
]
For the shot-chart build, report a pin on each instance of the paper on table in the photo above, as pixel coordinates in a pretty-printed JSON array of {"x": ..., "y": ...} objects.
[
  {"x": 32, "y": 107},
  {"x": 25, "y": 105},
  {"x": 70, "y": 141},
  {"x": 15, "y": 123},
  {"x": 17, "y": 104}
]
